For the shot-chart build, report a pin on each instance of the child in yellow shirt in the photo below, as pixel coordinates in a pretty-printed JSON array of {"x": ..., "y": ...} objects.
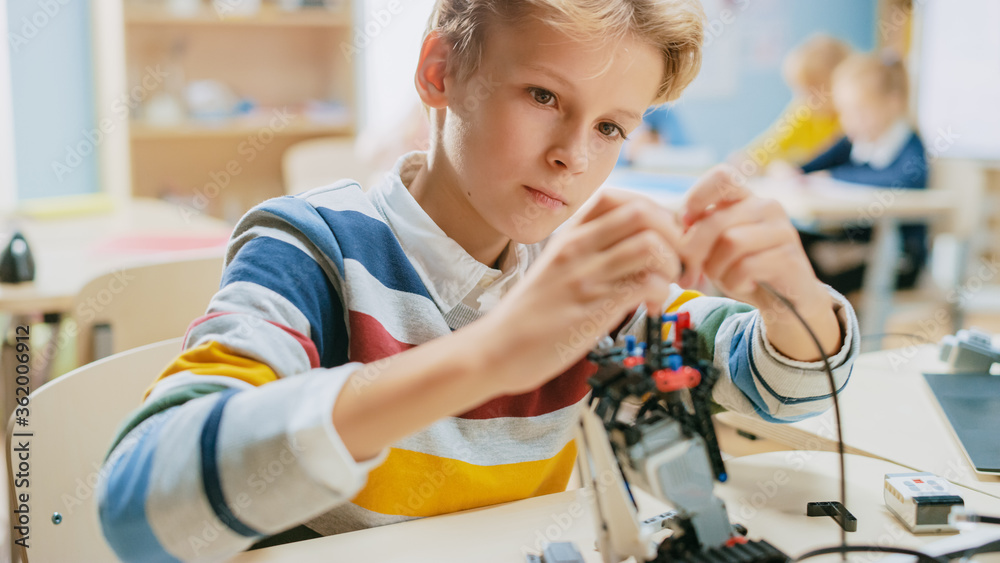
[{"x": 809, "y": 123}]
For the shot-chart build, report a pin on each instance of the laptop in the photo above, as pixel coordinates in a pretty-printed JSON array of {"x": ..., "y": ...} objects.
[{"x": 972, "y": 404}]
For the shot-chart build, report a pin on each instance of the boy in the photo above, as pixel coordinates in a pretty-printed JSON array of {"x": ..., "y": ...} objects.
[
  {"x": 879, "y": 148},
  {"x": 407, "y": 316}
]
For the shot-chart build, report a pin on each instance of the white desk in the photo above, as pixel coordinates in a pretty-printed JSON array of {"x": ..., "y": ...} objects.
[
  {"x": 767, "y": 493},
  {"x": 70, "y": 252},
  {"x": 888, "y": 412}
]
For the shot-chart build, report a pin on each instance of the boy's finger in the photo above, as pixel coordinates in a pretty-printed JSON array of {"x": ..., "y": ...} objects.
[
  {"x": 646, "y": 251},
  {"x": 716, "y": 189},
  {"x": 742, "y": 241},
  {"x": 742, "y": 277},
  {"x": 701, "y": 238},
  {"x": 606, "y": 200}
]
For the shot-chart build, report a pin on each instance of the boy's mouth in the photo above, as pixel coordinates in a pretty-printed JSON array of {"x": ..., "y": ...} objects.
[{"x": 545, "y": 198}]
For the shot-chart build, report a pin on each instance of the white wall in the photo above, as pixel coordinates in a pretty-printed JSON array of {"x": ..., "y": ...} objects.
[
  {"x": 959, "y": 78},
  {"x": 8, "y": 189},
  {"x": 389, "y": 59}
]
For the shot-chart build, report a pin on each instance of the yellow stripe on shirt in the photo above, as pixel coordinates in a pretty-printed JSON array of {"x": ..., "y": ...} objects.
[
  {"x": 683, "y": 298},
  {"x": 417, "y": 484},
  {"x": 213, "y": 358}
]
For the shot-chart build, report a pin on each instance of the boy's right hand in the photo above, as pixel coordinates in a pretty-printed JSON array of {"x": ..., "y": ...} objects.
[{"x": 617, "y": 252}]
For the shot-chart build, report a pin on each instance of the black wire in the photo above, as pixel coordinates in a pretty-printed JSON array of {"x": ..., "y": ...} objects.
[
  {"x": 833, "y": 393},
  {"x": 845, "y": 549},
  {"x": 982, "y": 518}
]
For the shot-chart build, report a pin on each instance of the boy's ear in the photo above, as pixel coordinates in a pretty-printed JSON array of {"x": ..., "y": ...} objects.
[{"x": 432, "y": 70}]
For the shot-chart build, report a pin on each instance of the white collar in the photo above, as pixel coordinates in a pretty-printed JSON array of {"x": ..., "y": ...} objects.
[
  {"x": 884, "y": 150},
  {"x": 449, "y": 272}
]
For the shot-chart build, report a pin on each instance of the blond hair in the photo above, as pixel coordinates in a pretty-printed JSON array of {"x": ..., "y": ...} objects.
[
  {"x": 674, "y": 27},
  {"x": 811, "y": 64},
  {"x": 877, "y": 75}
]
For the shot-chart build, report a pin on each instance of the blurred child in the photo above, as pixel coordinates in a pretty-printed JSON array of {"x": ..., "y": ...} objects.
[
  {"x": 809, "y": 123},
  {"x": 879, "y": 148}
]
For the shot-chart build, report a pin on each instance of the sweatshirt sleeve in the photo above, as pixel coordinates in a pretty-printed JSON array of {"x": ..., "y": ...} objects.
[
  {"x": 837, "y": 155},
  {"x": 755, "y": 378},
  {"x": 235, "y": 440}
]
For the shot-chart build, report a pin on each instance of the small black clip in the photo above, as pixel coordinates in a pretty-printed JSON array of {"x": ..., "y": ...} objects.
[
  {"x": 834, "y": 510},
  {"x": 16, "y": 263}
]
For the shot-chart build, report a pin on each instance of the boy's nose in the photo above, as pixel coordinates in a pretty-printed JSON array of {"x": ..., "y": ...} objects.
[{"x": 570, "y": 156}]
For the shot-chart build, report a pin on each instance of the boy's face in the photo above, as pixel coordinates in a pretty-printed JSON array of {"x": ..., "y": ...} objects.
[
  {"x": 538, "y": 128},
  {"x": 864, "y": 115}
]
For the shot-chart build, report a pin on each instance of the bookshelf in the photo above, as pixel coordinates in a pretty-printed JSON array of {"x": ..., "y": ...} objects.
[{"x": 287, "y": 71}]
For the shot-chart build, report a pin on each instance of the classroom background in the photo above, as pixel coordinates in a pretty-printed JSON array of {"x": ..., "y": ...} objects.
[{"x": 209, "y": 107}]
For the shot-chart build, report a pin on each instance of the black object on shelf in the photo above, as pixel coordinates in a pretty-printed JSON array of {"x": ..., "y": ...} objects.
[{"x": 16, "y": 262}]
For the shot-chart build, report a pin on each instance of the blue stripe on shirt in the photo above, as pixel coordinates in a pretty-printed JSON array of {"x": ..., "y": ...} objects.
[
  {"x": 289, "y": 272},
  {"x": 306, "y": 219},
  {"x": 794, "y": 400},
  {"x": 742, "y": 369},
  {"x": 122, "y": 507},
  {"x": 210, "y": 469},
  {"x": 372, "y": 243},
  {"x": 358, "y": 237}
]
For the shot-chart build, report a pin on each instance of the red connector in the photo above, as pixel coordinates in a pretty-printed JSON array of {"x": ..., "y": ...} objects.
[{"x": 672, "y": 380}]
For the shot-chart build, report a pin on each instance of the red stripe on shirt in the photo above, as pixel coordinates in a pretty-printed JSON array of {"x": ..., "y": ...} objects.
[
  {"x": 565, "y": 390},
  {"x": 303, "y": 340},
  {"x": 370, "y": 341}
]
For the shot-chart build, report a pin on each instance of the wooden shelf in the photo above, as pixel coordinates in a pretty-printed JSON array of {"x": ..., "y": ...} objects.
[
  {"x": 141, "y": 131},
  {"x": 268, "y": 15}
]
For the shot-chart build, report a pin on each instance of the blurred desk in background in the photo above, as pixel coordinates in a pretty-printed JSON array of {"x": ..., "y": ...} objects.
[
  {"x": 825, "y": 202},
  {"x": 68, "y": 252}
]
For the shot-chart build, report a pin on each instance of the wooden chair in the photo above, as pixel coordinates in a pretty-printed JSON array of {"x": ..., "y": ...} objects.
[
  {"x": 71, "y": 423},
  {"x": 137, "y": 306},
  {"x": 318, "y": 162}
]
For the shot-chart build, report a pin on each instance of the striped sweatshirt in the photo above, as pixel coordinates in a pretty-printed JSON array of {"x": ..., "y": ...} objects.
[{"x": 234, "y": 442}]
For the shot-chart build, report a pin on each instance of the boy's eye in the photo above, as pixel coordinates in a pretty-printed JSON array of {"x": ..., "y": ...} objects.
[
  {"x": 541, "y": 96},
  {"x": 610, "y": 130}
]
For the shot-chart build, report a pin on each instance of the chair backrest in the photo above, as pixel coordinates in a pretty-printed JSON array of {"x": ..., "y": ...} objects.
[
  {"x": 71, "y": 422},
  {"x": 143, "y": 304},
  {"x": 318, "y": 162}
]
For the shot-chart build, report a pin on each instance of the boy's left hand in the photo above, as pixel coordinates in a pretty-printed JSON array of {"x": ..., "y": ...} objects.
[{"x": 738, "y": 240}]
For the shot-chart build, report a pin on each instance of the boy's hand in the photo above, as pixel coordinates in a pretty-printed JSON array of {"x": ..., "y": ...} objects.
[
  {"x": 739, "y": 240},
  {"x": 617, "y": 252}
]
